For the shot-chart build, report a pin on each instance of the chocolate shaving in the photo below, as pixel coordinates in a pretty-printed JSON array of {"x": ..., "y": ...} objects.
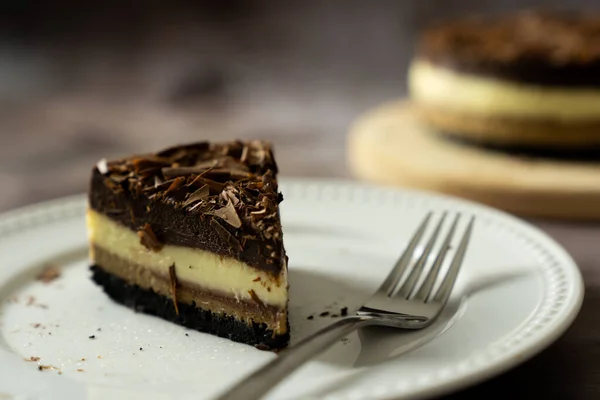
[
  {"x": 228, "y": 214},
  {"x": 225, "y": 235},
  {"x": 255, "y": 298},
  {"x": 215, "y": 187},
  {"x": 227, "y": 174},
  {"x": 180, "y": 151},
  {"x": 198, "y": 195},
  {"x": 176, "y": 184},
  {"x": 173, "y": 280},
  {"x": 49, "y": 273},
  {"x": 102, "y": 166},
  {"x": 148, "y": 239},
  {"x": 182, "y": 171}
]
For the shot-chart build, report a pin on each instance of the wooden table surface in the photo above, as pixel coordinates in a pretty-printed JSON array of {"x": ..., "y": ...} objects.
[{"x": 55, "y": 126}]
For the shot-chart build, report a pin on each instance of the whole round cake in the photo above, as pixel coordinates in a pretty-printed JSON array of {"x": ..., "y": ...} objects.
[{"x": 527, "y": 80}]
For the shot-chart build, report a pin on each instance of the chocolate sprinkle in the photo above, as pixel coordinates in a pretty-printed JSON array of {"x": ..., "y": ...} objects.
[
  {"x": 148, "y": 239},
  {"x": 173, "y": 279}
]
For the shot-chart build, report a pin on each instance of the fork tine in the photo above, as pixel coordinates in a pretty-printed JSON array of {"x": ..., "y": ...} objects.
[
  {"x": 396, "y": 273},
  {"x": 416, "y": 271},
  {"x": 445, "y": 289},
  {"x": 427, "y": 286}
]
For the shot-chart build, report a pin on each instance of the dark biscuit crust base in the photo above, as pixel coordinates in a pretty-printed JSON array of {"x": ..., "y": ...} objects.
[
  {"x": 148, "y": 302},
  {"x": 513, "y": 133},
  {"x": 534, "y": 47},
  {"x": 583, "y": 155}
]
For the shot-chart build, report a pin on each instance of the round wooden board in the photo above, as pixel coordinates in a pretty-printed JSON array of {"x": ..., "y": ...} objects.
[{"x": 389, "y": 145}]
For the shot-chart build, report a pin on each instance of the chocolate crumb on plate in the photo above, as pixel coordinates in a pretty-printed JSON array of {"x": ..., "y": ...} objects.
[
  {"x": 92, "y": 337},
  {"x": 310, "y": 317},
  {"x": 324, "y": 314},
  {"x": 45, "y": 367},
  {"x": 49, "y": 273},
  {"x": 262, "y": 347},
  {"x": 344, "y": 311},
  {"x": 32, "y": 359}
]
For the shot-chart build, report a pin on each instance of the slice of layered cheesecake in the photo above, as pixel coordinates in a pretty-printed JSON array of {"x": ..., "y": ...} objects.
[{"x": 192, "y": 234}]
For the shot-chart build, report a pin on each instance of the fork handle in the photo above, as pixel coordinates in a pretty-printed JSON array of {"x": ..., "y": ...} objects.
[{"x": 264, "y": 379}]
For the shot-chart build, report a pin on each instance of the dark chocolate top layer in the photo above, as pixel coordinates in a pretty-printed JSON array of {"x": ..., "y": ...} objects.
[
  {"x": 535, "y": 47},
  {"x": 220, "y": 197}
]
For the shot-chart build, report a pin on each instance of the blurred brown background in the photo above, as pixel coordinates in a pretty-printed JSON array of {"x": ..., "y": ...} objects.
[
  {"x": 79, "y": 82},
  {"x": 83, "y": 81}
]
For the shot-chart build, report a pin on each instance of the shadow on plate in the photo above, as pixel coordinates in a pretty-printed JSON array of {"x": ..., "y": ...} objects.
[
  {"x": 375, "y": 346},
  {"x": 313, "y": 294}
]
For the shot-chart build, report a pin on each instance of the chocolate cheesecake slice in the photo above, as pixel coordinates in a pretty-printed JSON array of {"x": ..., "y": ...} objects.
[
  {"x": 192, "y": 234},
  {"x": 527, "y": 79}
]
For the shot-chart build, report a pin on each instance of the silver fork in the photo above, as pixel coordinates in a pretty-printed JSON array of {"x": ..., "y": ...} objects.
[{"x": 398, "y": 303}]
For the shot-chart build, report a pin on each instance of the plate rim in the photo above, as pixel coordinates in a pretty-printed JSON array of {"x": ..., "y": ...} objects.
[{"x": 470, "y": 370}]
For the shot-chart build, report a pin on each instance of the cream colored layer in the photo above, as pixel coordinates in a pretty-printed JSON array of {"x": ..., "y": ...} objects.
[
  {"x": 441, "y": 87},
  {"x": 210, "y": 271}
]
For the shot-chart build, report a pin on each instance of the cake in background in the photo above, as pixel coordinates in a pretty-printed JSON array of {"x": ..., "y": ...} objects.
[
  {"x": 502, "y": 109},
  {"x": 529, "y": 79}
]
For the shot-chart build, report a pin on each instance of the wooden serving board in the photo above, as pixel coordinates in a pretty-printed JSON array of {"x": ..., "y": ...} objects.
[{"x": 389, "y": 145}]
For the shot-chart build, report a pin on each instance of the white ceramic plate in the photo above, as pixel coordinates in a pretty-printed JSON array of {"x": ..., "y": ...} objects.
[{"x": 517, "y": 292}]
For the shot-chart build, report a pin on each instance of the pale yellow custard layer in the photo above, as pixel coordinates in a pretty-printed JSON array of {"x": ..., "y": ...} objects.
[
  {"x": 205, "y": 269},
  {"x": 431, "y": 85}
]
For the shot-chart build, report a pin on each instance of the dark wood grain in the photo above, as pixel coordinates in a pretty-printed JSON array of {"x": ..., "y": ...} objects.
[{"x": 103, "y": 80}]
